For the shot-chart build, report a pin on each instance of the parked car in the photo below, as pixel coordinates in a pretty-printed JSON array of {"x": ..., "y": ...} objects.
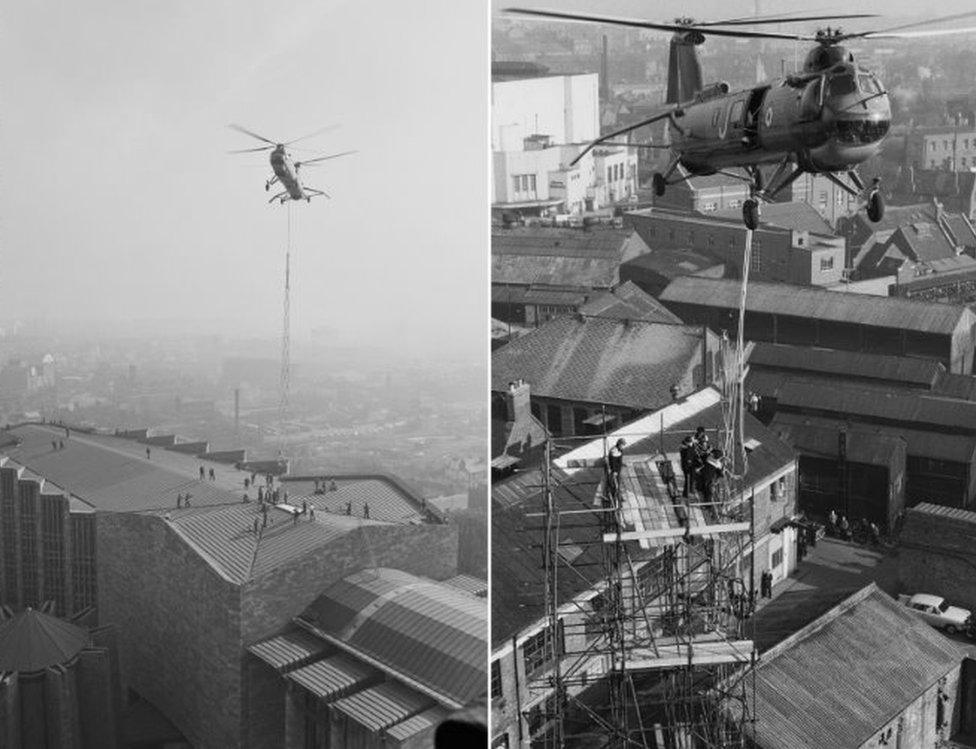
[{"x": 937, "y": 612}]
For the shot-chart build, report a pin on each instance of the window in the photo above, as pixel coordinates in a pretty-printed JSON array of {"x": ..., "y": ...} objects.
[
  {"x": 516, "y": 183},
  {"x": 609, "y": 174},
  {"x": 777, "y": 559},
  {"x": 542, "y": 648},
  {"x": 531, "y": 183},
  {"x": 841, "y": 85},
  {"x": 826, "y": 264},
  {"x": 496, "y": 679}
]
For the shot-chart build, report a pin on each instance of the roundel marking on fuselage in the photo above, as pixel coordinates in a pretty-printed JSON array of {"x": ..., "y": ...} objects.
[{"x": 769, "y": 116}]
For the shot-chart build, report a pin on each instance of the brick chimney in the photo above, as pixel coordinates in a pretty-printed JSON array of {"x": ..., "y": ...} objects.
[{"x": 517, "y": 401}]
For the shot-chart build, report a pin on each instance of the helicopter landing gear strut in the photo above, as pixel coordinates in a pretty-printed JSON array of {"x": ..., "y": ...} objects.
[
  {"x": 660, "y": 181},
  {"x": 868, "y": 196},
  {"x": 268, "y": 183}
]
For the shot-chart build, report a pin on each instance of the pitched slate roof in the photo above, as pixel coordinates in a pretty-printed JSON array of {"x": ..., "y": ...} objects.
[
  {"x": 820, "y": 439},
  {"x": 600, "y": 361},
  {"x": 670, "y": 264},
  {"x": 843, "y": 678},
  {"x": 922, "y": 242},
  {"x": 628, "y": 302},
  {"x": 428, "y": 631},
  {"x": 808, "y": 302},
  {"x": 796, "y": 215}
]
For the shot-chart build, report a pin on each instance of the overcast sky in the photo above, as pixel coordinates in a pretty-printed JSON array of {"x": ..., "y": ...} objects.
[{"x": 119, "y": 199}]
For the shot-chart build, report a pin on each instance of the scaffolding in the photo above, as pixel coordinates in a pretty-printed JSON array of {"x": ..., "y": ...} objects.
[{"x": 659, "y": 653}]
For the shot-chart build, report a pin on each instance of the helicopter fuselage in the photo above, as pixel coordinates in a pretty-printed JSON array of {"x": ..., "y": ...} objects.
[
  {"x": 287, "y": 174},
  {"x": 827, "y": 122}
]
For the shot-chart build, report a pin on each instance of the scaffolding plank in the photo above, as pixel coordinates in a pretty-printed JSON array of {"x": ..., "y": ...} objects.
[
  {"x": 676, "y": 655},
  {"x": 701, "y": 530}
]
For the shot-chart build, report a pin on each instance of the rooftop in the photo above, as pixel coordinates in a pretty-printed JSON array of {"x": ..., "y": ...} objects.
[
  {"x": 789, "y": 215},
  {"x": 32, "y": 641},
  {"x": 113, "y": 473},
  {"x": 848, "y": 364},
  {"x": 673, "y": 263},
  {"x": 421, "y": 629},
  {"x": 808, "y": 302},
  {"x": 628, "y": 302},
  {"x": 867, "y": 640},
  {"x": 594, "y": 360}
]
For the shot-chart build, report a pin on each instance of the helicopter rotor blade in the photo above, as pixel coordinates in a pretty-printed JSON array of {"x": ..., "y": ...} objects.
[
  {"x": 559, "y": 16},
  {"x": 890, "y": 32},
  {"x": 244, "y": 130},
  {"x": 324, "y": 158},
  {"x": 782, "y": 19},
  {"x": 252, "y": 150},
  {"x": 325, "y": 129}
]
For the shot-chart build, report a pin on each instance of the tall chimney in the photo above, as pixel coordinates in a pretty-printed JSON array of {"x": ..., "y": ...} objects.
[{"x": 517, "y": 401}]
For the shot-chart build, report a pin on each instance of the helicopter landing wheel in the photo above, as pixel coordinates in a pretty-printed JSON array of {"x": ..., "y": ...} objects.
[
  {"x": 750, "y": 214},
  {"x": 267, "y": 186},
  {"x": 876, "y": 207},
  {"x": 659, "y": 184}
]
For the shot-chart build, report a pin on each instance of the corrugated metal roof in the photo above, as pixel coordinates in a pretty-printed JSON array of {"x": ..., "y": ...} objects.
[
  {"x": 111, "y": 473},
  {"x": 594, "y": 273},
  {"x": 820, "y": 304},
  {"x": 955, "y": 513},
  {"x": 923, "y": 411},
  {"x": 286, "y": 651},
  {"x": 847, "y": 675},
  {"x": 428, "y": 631},
  {"x": 382, "y": 706},
  {"x": 334, "y": 676},
  {"x": 469, "y": 584},
  {"x": 548, "y": 242},
  {"x": 426, "y": 721},
  {"x": 909, "y": 370},
  {"x": 387, "y": 501},
  {"x": 601, "y": 361}
]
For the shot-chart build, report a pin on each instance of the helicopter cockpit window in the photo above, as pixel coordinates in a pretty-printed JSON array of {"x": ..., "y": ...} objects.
[
  {"x": 735, "y": 114},
  {"x": 841, "y": 85},
  {"x": 868, "y": 84}
]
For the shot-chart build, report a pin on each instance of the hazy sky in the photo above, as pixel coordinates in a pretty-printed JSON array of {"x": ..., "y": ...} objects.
[{"x": 119, "y": 199}]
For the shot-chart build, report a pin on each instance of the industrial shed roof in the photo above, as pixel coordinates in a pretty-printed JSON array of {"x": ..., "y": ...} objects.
[
  {"x": 382, "y": 706},
  {"x": 628, "y": 302},
  {"x": 849, "y": 364},
  {"x": 32, "y": 641},
  {"x": 594, "y": 360},
  {"x": 288, "y": 650},
  {"x": 819, "y": 689},
  {"x": 427, "y": 631},
  {"x": 821, "y": 439},
  {"x": 808, "y": 302}
]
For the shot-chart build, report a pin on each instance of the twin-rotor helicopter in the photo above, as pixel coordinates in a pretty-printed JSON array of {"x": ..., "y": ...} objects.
[
  {"x": 826, "y": 119},
  {"x": 286, "y": 170}
]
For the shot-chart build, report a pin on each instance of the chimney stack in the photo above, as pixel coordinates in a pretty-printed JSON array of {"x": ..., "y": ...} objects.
[{"x": 517, "y": 401}]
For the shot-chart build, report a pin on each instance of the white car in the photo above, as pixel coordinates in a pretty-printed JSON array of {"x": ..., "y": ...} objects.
[{"x": 937, "y": 611}]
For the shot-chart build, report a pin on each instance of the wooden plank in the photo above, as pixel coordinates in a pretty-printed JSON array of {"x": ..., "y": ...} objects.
[{"x": 701, "y": 530}]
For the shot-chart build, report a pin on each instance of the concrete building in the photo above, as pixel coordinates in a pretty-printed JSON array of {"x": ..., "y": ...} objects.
[
  {"x": 780, "y": 313},
  {"x": 947, "y": 148},
  {"x": 866, "y": 674},
  {"x": 937, "y": 554},
  {"x": 789, "y": 255},
  {"x": 190, "y": 584},
  {"x": 380, "y": 659},
  {"x": 564, "y": 107},
  {"x": 58, "y": 684},
  {"x": 587, "y": 372}
]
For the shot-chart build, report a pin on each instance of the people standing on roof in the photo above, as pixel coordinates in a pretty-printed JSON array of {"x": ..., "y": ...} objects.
[
  {"x": 260, "y": 493},
  {"x": 202, "y": 474},
  {"x": 687, "y": 454},
  {"x": 186, "y": 499},
  {"x": 148, "y": 454},
  {"x": 712, "y": 471},
  {"x": 179, "y": 500},
  {"x": 349, "y": 507},
  {"x": 247, "y": 482},
  {"x": 213, "y": 476},
  {"x": 311, "y": 512},
  {"x": 366, "y": 510},
  {"x": 54, "y": 444}
]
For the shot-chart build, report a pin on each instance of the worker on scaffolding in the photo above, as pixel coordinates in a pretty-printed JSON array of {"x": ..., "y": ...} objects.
[
  {"x": 615, "y": 464},
  {"x": 712, "y": 471},
  {"x": 687, "y": 454}
]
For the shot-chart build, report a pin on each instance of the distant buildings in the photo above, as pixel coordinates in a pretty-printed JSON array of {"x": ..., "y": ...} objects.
[
  {"x": 539, "y": 125},
  {"x": 20, "y": 378},
  {"x": 538, "y": 273},
  {"x": 799, "y": 256}
]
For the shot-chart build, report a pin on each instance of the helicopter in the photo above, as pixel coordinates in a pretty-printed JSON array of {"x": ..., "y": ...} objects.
[
  {"x": 827, "y": 118},
  {"x": 285, "y": 169}
]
